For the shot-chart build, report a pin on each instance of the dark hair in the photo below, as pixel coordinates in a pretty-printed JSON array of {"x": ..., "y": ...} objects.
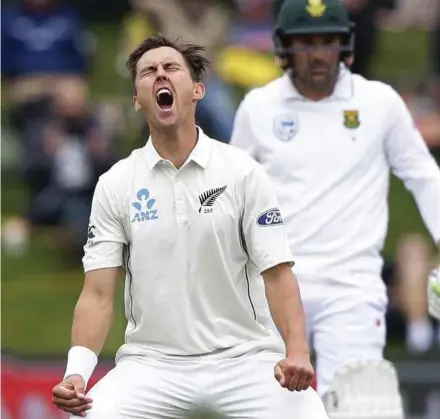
[{"x": 197, "y": 63}]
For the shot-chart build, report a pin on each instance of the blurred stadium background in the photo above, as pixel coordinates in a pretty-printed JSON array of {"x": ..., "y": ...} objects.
[{"x": 67, "y": 116}]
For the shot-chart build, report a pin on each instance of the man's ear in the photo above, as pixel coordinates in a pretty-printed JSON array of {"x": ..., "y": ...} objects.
[
  {"x": 348, "y": 61},
  {"x": 199, "y": 91},
  {"x": 137, "y": 106}
]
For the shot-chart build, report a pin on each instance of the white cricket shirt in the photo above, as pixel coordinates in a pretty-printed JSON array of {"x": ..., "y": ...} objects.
[
  {"x": 196, "y": 240},
  {"x": 330, "y": 163}
]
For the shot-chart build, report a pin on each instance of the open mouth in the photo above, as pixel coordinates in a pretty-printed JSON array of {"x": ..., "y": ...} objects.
[{"x": 164, "y": 98}]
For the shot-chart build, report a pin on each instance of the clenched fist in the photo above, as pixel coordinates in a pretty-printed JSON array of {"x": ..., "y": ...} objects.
[
  {"x": 70, "y": 396},
  {"x": 295, "y": 372}
]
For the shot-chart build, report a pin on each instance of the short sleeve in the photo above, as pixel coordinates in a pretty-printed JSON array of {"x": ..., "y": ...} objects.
[
  {"x": 105, "y": 236},
  {"x": 242, "y": 133},
  {"x": 263, "y": 230}
]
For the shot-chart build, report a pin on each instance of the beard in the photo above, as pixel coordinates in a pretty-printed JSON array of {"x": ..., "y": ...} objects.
[{"x": 318, "y": 76}]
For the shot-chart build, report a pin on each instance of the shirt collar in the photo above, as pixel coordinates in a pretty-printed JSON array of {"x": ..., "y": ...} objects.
[
  {"x": 343, "y": 88},
  {"x": 200, "y": 153}
]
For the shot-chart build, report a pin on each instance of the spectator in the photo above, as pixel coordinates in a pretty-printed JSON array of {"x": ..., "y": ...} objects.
[
  {"x": 425, "y": 109},
  {"x": 414, "y": 260},
  {"x": 64, "y": 154},
  {"x": 247, "y": 61},
  {"x": 413, "y": 256},
  {"x": 363, "y": 13},
  {"x": 253, "y": 24},
  {"x": 43, "y": 44}
]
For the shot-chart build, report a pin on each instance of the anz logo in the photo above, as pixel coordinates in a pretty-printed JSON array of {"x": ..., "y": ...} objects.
[
  {"x": 144, "y": 206},
  {"x": 269, "y": 218}
]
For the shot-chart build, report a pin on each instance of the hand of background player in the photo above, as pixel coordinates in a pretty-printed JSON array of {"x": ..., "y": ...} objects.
[
  {"x": 70, "y": 396},
  {"x": 295, "y": 372},
  {"x": 434, "y": 293}
]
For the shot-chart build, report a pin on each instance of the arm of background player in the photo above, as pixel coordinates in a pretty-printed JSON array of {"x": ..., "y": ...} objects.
[
  {"x": 267, "y": 246},
  {"x": 242, "y": 133},
  {"x": 103, "y": 258},
  {"x": 411, "y": 161}
]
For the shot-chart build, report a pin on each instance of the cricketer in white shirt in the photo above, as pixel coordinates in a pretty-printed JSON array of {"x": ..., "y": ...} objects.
[
  {"x": 194, "y": 242},
  {"x": 194, "y": 222},
  {"x": 330, "y": 162}
]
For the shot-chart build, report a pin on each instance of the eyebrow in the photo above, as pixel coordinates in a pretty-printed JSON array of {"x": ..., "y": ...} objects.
[{"x": 154, "y": 65}]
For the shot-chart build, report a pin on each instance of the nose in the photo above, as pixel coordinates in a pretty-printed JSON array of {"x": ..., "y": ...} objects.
[
  {"x": 320, "y": 51},
  {"x": 161, "y": 73},
  {"x": 319, "y": 56}
]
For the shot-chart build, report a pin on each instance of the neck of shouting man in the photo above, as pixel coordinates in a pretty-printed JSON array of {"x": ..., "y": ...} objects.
[{"x": 175, "y": 143}]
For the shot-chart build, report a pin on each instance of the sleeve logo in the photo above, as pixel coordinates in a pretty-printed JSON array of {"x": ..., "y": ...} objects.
[
  {"x": 91, "y": 232},
  {"x": 270, "y": 217}
]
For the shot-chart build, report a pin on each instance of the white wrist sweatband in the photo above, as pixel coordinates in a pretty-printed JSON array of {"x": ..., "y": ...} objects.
[{"x": 81, "y": 361}]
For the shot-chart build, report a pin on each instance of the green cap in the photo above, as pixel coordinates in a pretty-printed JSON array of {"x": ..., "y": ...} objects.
[{"x": 310, "y": 17}]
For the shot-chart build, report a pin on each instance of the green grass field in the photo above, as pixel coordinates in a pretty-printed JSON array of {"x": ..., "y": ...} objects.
[{"x": 39, "y": 291}]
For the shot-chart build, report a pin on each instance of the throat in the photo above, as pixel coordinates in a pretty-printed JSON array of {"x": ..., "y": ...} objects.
[
  {"x": 313, "y": 92},
  {"x": 175, "y": 144}
]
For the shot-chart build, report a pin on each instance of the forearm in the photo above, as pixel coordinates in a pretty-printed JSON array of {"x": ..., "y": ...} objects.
[
  {"x": 287, "y": 311},
  {"x": 427, "y": 196},
  {"x": 92, "y": 320}
]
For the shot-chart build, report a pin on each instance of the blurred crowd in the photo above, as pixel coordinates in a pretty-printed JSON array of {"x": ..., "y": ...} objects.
[
  {"x": 46, "y": 57},
  {"x": 66, "y": 140}
]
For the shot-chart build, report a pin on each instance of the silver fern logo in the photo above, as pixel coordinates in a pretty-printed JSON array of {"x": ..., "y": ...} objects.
[{"x": 208, "y": 198}]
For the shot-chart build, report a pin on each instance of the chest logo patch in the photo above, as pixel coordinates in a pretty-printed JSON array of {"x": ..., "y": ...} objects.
[
  {"x": 351, "y": 119},
  {"x": 285, "y": 126},
  {"x": 144, "y": 207},
  {"x": 208, "y": 198}
]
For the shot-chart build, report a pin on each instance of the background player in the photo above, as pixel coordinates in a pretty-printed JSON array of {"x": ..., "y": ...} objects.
[
  {"x": 195, "y": 235},
  {"x": 328, "y": 139}
]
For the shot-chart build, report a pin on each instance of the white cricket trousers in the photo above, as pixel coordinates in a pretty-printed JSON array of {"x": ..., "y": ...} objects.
[
  {"x": 243, "y": 387},
  {"x": 345, "y": 324}
]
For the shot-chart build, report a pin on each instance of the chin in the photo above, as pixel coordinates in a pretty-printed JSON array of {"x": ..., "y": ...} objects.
[
  {"x": 169, "y": 122},
  {"x": 321, "y": 83},
  {"x": 165, "y": 118},
  {"x": 320, "y": 79}
]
